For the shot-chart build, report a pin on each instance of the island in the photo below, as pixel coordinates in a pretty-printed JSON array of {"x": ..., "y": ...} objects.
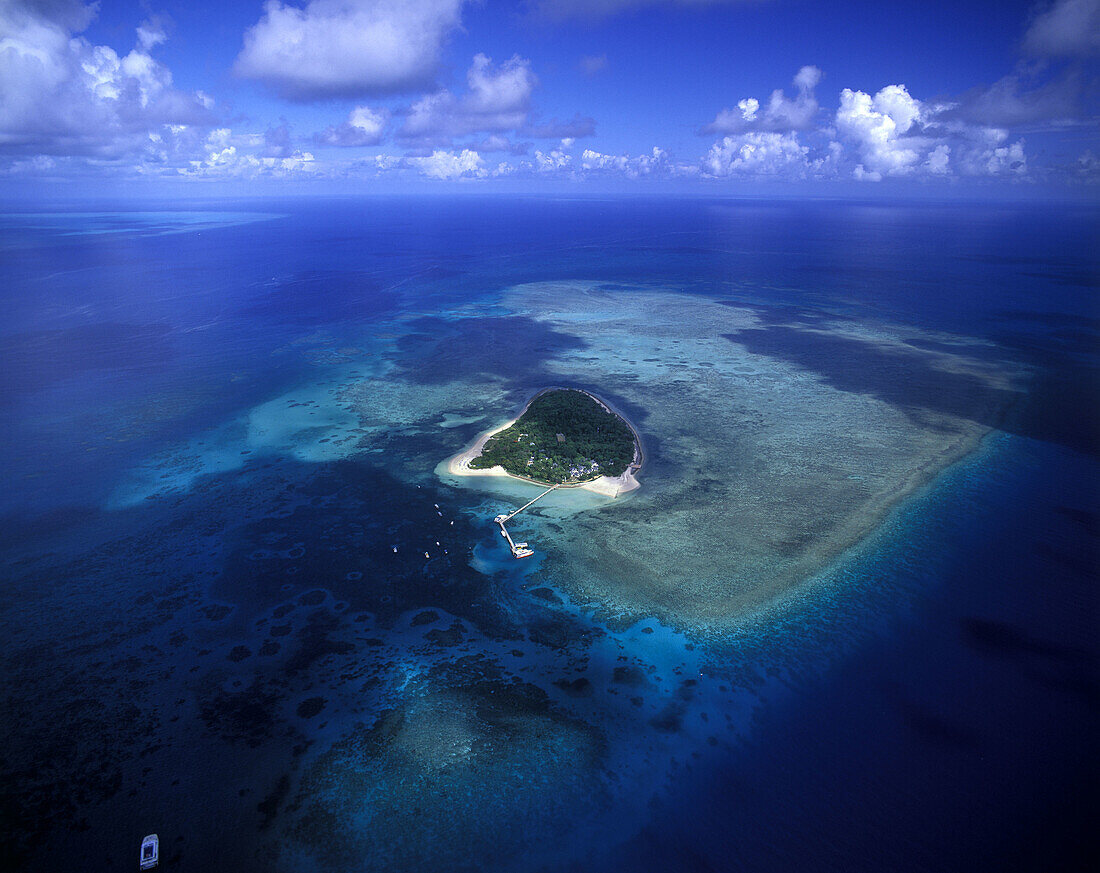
[{"x": 564, "y": 437}]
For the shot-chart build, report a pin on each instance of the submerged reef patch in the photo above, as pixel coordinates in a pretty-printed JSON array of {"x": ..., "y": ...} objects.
[{"x": 413, "y": 790}]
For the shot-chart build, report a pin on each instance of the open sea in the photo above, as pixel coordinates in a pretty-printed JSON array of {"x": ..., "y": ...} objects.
[{"x": 849, "y": 622}]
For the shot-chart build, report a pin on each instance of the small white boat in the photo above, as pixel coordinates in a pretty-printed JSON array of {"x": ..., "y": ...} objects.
[{"x": 150, "y": 852}]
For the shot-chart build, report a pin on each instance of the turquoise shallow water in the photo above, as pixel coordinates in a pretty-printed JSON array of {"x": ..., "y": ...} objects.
[{"x": 247, "y": 610}]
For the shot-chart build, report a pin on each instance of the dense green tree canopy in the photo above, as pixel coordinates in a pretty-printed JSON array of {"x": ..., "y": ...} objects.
[{"x": 563, "y": 436}]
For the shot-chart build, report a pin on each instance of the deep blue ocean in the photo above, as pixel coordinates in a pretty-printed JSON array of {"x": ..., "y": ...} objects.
[{"x": 242, "y": 609}]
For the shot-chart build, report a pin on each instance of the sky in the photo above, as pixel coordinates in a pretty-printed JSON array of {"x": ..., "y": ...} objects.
[{"x": 798, "y": 97}]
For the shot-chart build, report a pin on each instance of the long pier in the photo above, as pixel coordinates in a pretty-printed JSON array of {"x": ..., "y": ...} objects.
[{"x": 519, "y": 550}]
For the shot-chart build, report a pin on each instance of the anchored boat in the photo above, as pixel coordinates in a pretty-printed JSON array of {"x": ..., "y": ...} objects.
[{"x": 150, "y": 852}]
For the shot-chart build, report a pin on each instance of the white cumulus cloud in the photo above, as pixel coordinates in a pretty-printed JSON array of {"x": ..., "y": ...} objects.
[
  {"x": 985, "y": 151},
  {"x": 150, "y": 34},
  {"x": 782, "y": 113},
  {"x": 224, "y": 158},
  {"x": 870, "y": 138},
  {"x": 498, "y": 99},
  {"x": 878, "y": 128},
  {"x": 654, "y": 163},
  {"x": 448, "y": 165},
  {"x": 62, "y": 95},
  {"x": 552, "y": 161},
  {"x": 348, "y": 48},
  {"x": 364, "y": 127},
  {"x": 939, "y": 159},
  {"x": 756, "y": 153},
  {"x": 894, "y": 134},
  {"x": 1007, "y": 160}
]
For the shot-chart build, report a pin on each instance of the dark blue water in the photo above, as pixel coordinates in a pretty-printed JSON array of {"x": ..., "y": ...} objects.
[
  {"x": 216, "y": 662},
  {"x": 962, "y": 738}
]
